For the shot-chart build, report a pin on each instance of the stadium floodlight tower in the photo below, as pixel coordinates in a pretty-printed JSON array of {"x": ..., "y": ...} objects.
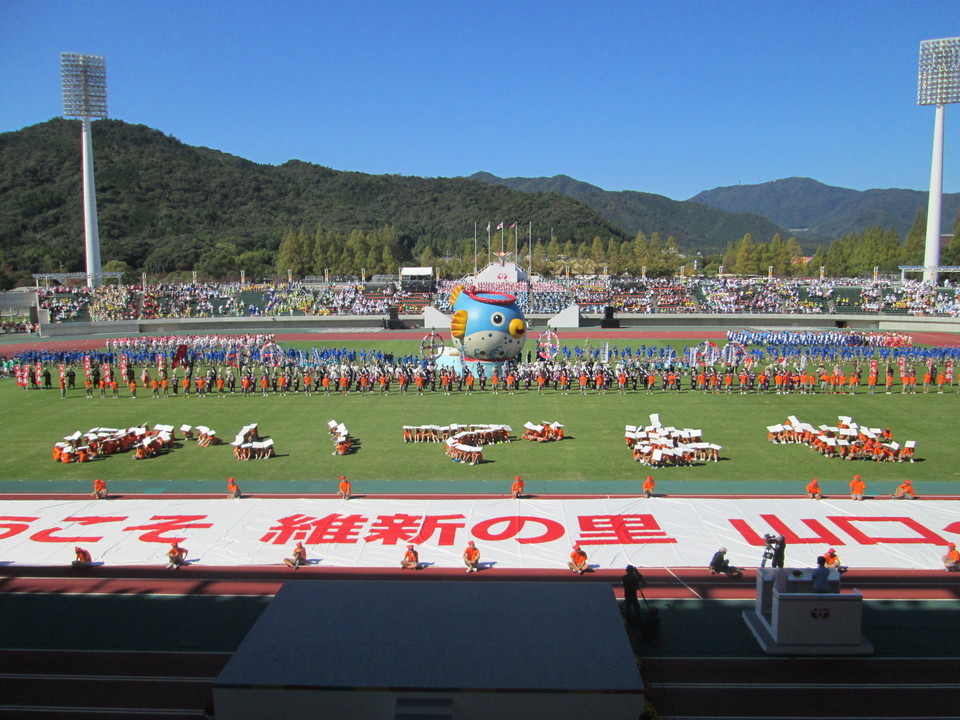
[
  {"x": 939, "y": 84},
  {"x": 84, "y": 80}
]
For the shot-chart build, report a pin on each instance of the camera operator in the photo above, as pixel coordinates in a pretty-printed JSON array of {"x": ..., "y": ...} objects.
[
  {"x": 774, "y": 548},
  {"x": 779, "y": 551}
]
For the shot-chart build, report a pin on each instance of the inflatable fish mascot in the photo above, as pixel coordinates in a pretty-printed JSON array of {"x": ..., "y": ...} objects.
[{"x": 486, "y": 325}]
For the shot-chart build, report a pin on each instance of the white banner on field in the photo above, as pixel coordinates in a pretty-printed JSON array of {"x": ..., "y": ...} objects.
[{"x": 530, "y": 534}]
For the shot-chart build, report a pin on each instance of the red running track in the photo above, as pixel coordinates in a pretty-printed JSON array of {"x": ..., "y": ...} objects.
[{"x": 662, "y": 583}]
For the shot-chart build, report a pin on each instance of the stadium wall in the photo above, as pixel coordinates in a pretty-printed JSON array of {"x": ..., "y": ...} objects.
[{"x": 651, "y": 321}]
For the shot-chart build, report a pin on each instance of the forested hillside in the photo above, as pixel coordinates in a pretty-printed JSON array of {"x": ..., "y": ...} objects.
[{"x": 165, "y": 206}]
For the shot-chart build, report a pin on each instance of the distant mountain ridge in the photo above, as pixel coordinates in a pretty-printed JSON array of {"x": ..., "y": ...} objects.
[
  {"x": 812, "y": 210},
  {"x": 694, "y": 225}
]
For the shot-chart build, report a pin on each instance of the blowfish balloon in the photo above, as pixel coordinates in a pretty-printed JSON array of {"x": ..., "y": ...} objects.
[{"x": 486, "y": 325}]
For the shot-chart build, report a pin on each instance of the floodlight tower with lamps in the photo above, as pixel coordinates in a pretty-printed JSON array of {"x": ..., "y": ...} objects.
[
  {"x": 939, "y": 84},
  {"x": 84, "y": 80}
]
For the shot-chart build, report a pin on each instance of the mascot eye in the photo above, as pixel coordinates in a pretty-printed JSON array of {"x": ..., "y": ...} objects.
[{"x": 497, "y": 319}]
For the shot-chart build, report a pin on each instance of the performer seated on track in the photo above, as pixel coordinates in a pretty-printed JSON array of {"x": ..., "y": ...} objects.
[
  {"x": 951, "y": 561},
  {"x": 99, "y": 489},
  {"x": 578, "y": 561},
  {"x": 411, "y": 559},
  {"x": 904, "y": 491},
  {"x": 176, "y": 556},
  {"x": 82, "y": 558},
  {"x": 299, "y": 557},
  {"x": 648, "y": 486},
  {"x": 471, "y": 557},
  {"x": 832, "y": 561},
  {"x": 233, "y": 490}
]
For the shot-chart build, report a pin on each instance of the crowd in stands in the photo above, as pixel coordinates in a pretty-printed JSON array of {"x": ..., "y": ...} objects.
[
  {"x": 593, "y": 294},
  {"x": 546, "y": 297},
  {"x": 756, "y": 295},
  {"x": 10, "y": 327}
]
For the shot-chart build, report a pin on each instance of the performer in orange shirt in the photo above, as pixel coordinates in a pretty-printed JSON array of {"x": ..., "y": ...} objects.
[
  {"x": 99, "y": 489},
  {"x": 813, "y": 490},
  {"x": 411, "y": 559},
  {"x": 299, "y": 557},
  {"x": 905, "y": 491},
  {"x": 345, "y": 488},
  {"x": 857, "y": 488},
  {"x": 833, "y": 561},
  {"x": 82, "y": 558},
  {"x": 233, "y": 490},
  {"x": 517, "y": 488},
  {"x": 176, "y": 556},
  {"x": 648, "y": 485},
  {"x": 951, "y": 561},
  {"x": 578, "y": 561},
  {"x": 471, "y": 557}
]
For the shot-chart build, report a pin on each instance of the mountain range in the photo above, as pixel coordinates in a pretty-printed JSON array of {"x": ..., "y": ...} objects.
[
  {"x": 163, "y": 204},
  {"x": 696, "y": 226},
  {"x": 812, "y": 211}
]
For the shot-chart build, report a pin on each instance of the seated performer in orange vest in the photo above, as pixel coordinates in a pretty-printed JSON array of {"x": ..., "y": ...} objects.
[
  {"x": 578, "y": 561},
  {"x": 471, "y": 557},
  {"x": 99, "y": 489}
]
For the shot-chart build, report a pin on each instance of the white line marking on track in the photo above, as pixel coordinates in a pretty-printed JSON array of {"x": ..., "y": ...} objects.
[{"x": 684, "y": 584}]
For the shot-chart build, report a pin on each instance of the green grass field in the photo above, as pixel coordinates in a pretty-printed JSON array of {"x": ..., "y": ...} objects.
[{"x": 593, "y": 458}]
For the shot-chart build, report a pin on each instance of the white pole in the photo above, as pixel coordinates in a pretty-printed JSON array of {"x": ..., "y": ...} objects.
[
  {"x": 931, "y": 254},
  {"x": 91, "y": 229},
  {"x": 474, "y": 248}
]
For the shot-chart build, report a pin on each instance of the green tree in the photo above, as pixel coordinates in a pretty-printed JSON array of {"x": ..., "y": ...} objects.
[
  {"x": 748, "y": 257},
  {"x": 818, "y": 260},
  {"x": 916, "y": 240},
  {"x": 130, "y": 276},
  {"x": 219, "y": 262}
]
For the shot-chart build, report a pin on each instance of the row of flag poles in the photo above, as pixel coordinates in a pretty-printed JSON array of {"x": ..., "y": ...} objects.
[{"x": 500, "y": 227}]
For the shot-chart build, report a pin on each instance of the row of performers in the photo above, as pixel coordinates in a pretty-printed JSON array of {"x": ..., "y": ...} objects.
[
  {"x": 342, "y": 441},
  {"x": 101, "y": 442},
  {"x": 247, "y": 444},
  {"x": 657, "y": 446},
  {"x": 511, "y": 377},
  {"x": 544, "y": 432},
  {"x": 145, "y": 442},
  {"x": 465, "y": 444},
  {"x": 483, "y": 434},
  {"x": 846, "y": 440}
]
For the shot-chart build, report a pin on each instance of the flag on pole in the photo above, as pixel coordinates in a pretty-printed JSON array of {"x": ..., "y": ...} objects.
[
  {"x": 179, "y": 357},
  {"x": 513, "y": 226},
  {"x": 500, "y": 226}
]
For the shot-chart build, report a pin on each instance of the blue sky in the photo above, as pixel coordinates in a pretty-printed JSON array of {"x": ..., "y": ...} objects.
[{"x": 663, "y": 97}]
